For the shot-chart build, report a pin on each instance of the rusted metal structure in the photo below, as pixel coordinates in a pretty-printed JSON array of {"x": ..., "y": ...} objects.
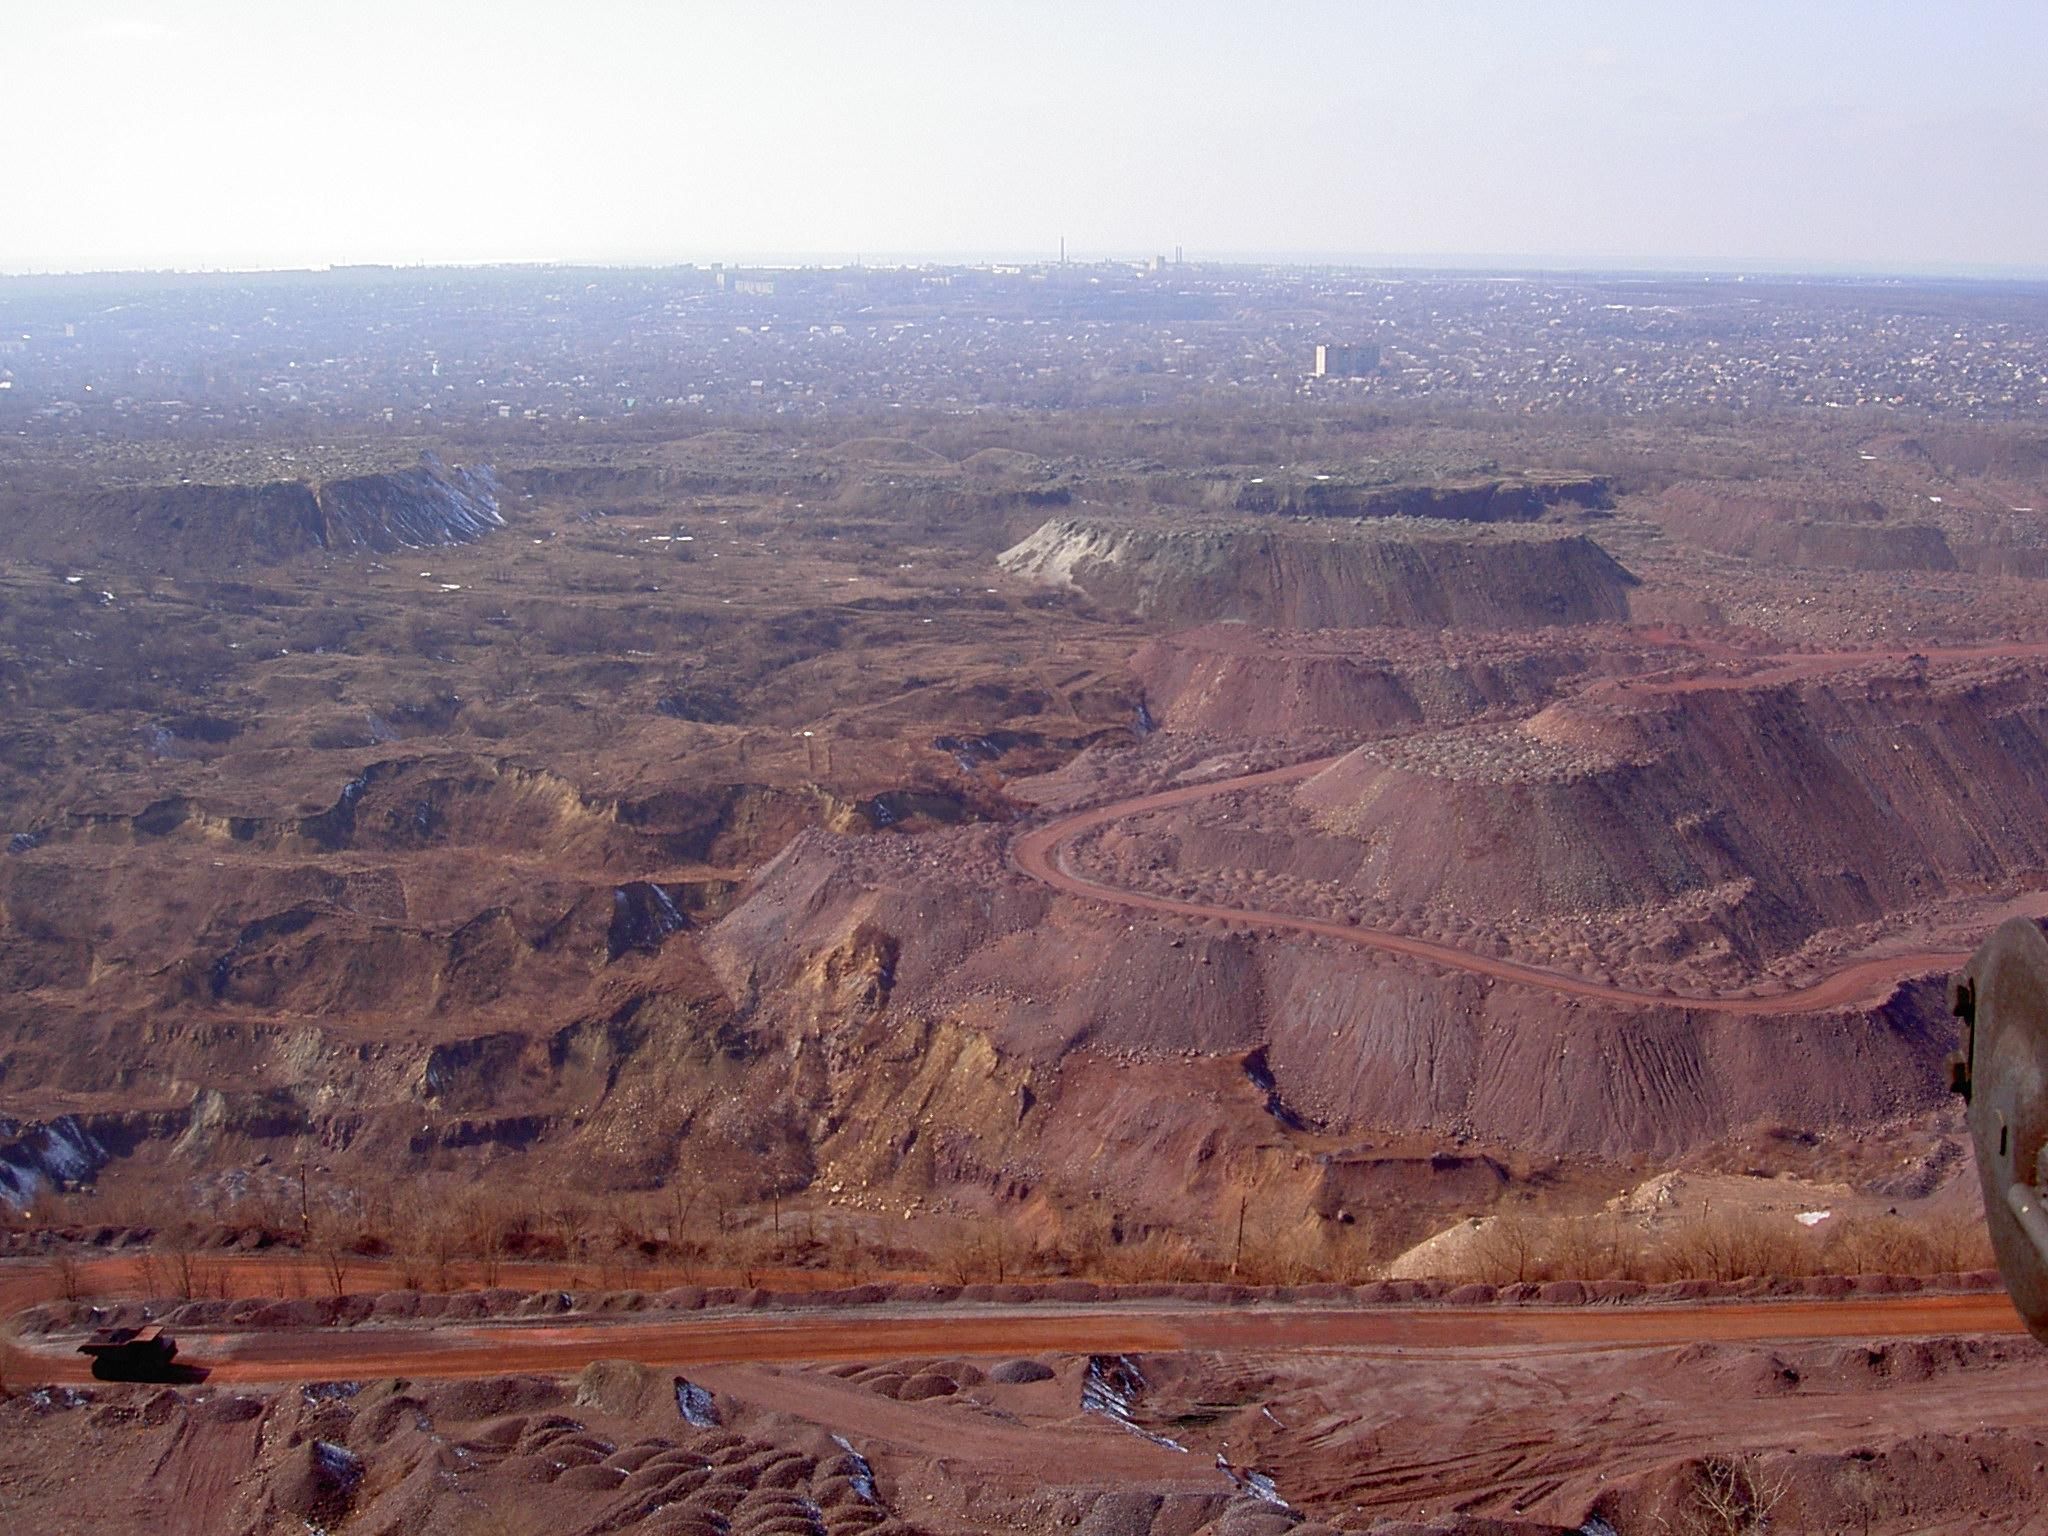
[
  {"x": 132, "y": 1354},
  {"x": 2000, "y": 1000}
]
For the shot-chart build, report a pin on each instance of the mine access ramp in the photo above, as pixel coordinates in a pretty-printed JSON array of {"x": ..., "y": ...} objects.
[{"x": 131, "y": 1354}]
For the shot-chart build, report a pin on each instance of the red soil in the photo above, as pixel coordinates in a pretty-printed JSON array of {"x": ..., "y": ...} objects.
[{"x": 1041, "y": 854}]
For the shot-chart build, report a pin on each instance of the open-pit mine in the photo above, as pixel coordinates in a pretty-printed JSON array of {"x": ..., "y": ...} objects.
[{"x": 1338, "y": 968}]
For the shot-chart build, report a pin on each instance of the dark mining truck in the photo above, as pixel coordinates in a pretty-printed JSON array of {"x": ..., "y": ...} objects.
[{"x": 132, "y": 1354}]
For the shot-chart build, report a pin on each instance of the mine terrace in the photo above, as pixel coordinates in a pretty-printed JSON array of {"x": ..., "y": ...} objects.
[{"x": 962, "y": 898}]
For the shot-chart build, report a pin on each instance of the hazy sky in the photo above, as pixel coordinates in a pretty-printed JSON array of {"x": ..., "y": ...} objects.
[{"x": 188, "y": 133}]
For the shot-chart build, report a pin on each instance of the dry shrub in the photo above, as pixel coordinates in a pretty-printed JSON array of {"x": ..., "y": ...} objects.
[
  {"x": 1309, "y": 1254},
  {"x": 1727, "y": 1496},
  {"x": 333, "y": 1249},
  {"x": 1509, "y": 1250},
  {"x": 1890, "y": 1245},
  {"x": 1595, "y": 1247},
  {"x": 1723, "y": 1245},
  {"x": 1732, "y": 1245},
  {"x": 286, "y": 1281},
  {"x": 425, "y": 1240},
  {"x": 187, "y": 1271},
  {"x": 69, "y": 1273},
  {"x": 971, "y": 1251},
  {"x": 1957, "y": 1244},
  {"x": 1159, "y": 1256},
  {"x": 746, "y": 1252},
  {"x": 1081, "y": 1242}
]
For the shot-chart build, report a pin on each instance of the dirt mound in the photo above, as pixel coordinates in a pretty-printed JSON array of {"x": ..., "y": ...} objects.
[
  {"x": 1743, "y": 818},
  {"x": 211, "y": 527},
  {"x": 1020, "y": 1372},
  {"x": 1232, "y": 679},
  {"x": 886, "y": 450},
  {"x": 1936, "y": 1482},
  {"x": 417, "y": 508},
  {"x": 1004, "y": 463},
  {"x": 1792, "y": 526},
  {"x": 1963, "y": 450},
  {"x": 1415, "y": 573},
  {"x": 328, "y": 1455}
]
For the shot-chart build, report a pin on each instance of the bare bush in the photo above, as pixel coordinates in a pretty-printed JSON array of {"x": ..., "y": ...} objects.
[
  {"x": 1733, "y": 1245},
  {"x": 332, "y": 1251},
  {"x": 1727, "y": 1496},
  {"x": 1957, "y": 1244},
  {"x": 1594, "y": 1247},
  {"x": 69, "y": 1274},
  {"x": 1894, "y": 1246},
  {"x": 187, "y": 1275},
  {"x": 1508, "y": 1250}
]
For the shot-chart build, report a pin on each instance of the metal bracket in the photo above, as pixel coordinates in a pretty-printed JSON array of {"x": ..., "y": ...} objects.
[{"x": 2024, "y": 1201}]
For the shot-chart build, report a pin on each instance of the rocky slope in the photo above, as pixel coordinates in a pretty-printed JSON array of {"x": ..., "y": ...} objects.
[
  {"x": 1316, "y": 575},
  {"x": 1232, "y": 679},
  {"x": 1803, "y": 529},
  {"x": 1038, "y": 1047},
  {"x": 1712, "y": 813}
]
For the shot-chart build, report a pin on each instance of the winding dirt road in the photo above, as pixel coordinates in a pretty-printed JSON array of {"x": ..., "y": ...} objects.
[{"x": 1041, "y": 853}]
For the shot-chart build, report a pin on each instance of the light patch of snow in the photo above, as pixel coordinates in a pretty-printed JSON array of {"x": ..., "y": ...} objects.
[
  {"x": 1812, "y": 1218},
  {"x": 342, "y": 1467},
  {"x": 863, "y": 1479},
  {"x": 1110, "y": 1388},
  {"x": 46, "y": 1156},
  {"x": 695, "y": 1404},
  {"x": 1260, "y": 1486}
]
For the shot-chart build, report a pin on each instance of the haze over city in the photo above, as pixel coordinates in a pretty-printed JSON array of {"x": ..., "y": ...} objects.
[{"x": 239, "y": 133}]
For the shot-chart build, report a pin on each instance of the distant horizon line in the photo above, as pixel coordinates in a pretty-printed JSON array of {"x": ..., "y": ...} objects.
[{"x": 1508, "y": 263}]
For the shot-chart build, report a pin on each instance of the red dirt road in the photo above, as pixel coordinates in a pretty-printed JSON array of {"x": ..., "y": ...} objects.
[
  {"x": 881, "y": 1334},
  {"x": 1041, "y": 854}
]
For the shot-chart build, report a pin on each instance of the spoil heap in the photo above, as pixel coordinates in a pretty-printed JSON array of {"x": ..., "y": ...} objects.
[
  {"x": 1711, "y": 811},
  {"x": 1415, "y": 572}
]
